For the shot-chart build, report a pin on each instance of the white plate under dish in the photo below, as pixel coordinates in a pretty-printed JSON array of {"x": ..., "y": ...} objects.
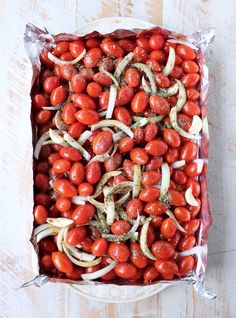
[{"x": 112, "y": 293}]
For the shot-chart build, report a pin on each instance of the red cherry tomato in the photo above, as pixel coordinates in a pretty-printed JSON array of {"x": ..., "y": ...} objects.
[
  {"x": 99, "y": 247},
  {"x": 42, "y": 117},
  {"x": 41, "y": 182},
  {"x": 68, "y": 113},
  {"x": 150, "y": 177},
  {"x": 126, "y": 144},
  {"x": 46, "y": 263},
  {"x": 182, "y": 214},
  {"x": 149, "y": 194},
  {"x": 156, "y": 41},
  {"x": 67, "y": 71},
  {"x": 134, "y": 208},
  {"x": 84, "y": 101},
  {"x": 60, "y": 48},
  {"x": 150, "y": 132},
  {"x": 64, "y": 188},
  {"x": 185, "y": 265},
  {"x": 190, "y": 66},
  {"x": 154, "y": 163},
  {"x": 40, "y": 214},
  {"x": 76, "y": 48},
  {"x": 102, "y": 142},
  {"x": 140, "y": 55},
  {"x": 76, "y": 273},
  {"x": 127, "y": 44},
  {"x": 50, "y": 84},
  {"x": 163, "y": 250},
  {"x": 125, "y": 270},
  {"x": 139, "y": 102},
  {"x": 62, "y": 262},
  {"x": 168, "y": 228},
  {"x": 93, "y": 172},
  {"x": 77, "y": 173},
  {"x": 118, "y": 251},
  {"x": 120, "y": 227},
  {"x": 171, "y": 137},
  {"x": 155, "y": 208},
  {"x": 76, "y": 129},
  {"x": 70, "y": 153},
  {"x": 94, "y": 89},
  {"x": 137, "y": 257},
  {"x": 166, "y": 267},
  {"x": 191, "y": 109},
  {"x": 58, "y": 95},
  {"x": 162, "y": 81},
  {"x": 185, "y": 52},
  {"x": 93, "y": 57},
  {"x": 85, "y": 189},
  {"x": 156, "y": 147},
  {"x": 114, "y": 162},
  {"x": 186, "y": 243},
  {"x": 132, "y": 77},
  {"x": 190, "y": 80},
  {"x": 61, "y": 166},
  {"x": 159, "y": 105},
  {"x": 83, "y": 214},
  {"x": 87, "y": 116},
  {"x": 78, "y": 83},
  {"x": 176, "y": 198},
  {"x": 124, "y": 95},
  {"x": 188, "y": 151},
  {"x": 39, "y": 101},
  {"x": 150, "y": 273},
  {"x": 63, "y": 204},
  {"x": 179, "y": 177},
  {"x": 112, "y": 48},
  {"x": 191, "y": 226},
  {"x": 76, "y": 236},
  {"x": 122, "y": 114},
  {"x": 139, "y": 156}
]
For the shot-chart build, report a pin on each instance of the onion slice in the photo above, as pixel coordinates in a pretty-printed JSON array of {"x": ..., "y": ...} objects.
[
  {"x": 39, "y": 144},
  {"x": 181, "y": 96},
  {"x": 59, "y": 222},
  {"x": 112, "y": 100},
  {"x": 122, "y": 65},
  {"x": 84, "y": 137},
  {"x": 196, "y": 125},
  {"x": 80, "y": 255},
  {"x": 97, "y": 204},
  {"x": 183, "y": 42},
  {"x": 49, "y": 232},
  {"x": 190, "y": 198},
  {"x": 174, "y": 124},
  {"x": 168, "y": 91},
  {"x": 123, "y": 199},
  {"x": 101, "y": 272},
  {"x": 170, "y": 62},
  {"x": 62, "y": 233},
  {"x": 165, "y": 179},
  {"x": 109, "y": 207},
  {"x": 124, "y": 237},
  {"x": 106, "y": 176},
  {"x": 178, "y": 164},
  {"x": 59, "y": 123},
  {"x": 72, "y": 142},
  {"x": 58, "y": 61},
  {"x": 41, "y": 228},
  {"x": 149, "y": 75},
  {"x": 56, "y": 138},
  {"x": 145, "y": 86},
  {"x": 78, "y": 200},
  {"x": 113, "y": 123},
  {"x": 171, "y": 216},
  {"x": 200, "y": 163},
  {"x": 137, "y": 180},
  {"x": 100, "y": 158},
  {"x": 143, "y": 242},
  {"x": 142, "y": 121},
  {"x": 195, "y": 250},
  {"x": 77, "y": 262}
]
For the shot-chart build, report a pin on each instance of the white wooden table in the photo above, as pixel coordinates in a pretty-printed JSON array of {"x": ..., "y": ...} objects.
[{"x": 15, "y": 154}]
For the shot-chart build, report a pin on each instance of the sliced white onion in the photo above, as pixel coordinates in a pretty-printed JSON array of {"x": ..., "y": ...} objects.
[
  {"x": 196, "y": 125},
  {"x": 200, "y": 163},
  {"x": 137, "y": 180},
  {"x": 145, "y": 86},
  {"x": 171, "y": 215},
  {"x": 49, "y": 232},
  {"x": 121, "y": 186},
  {"x": 143, "y": 242},
  {"x": 97, "y": 204},
  {"x": 183, "y": 42},
  {"x": 105, "y": 177},
  {"x": 195, "y": 250},
  {"x": 56, "y": 138},
  {"x": 149, "y": 74},
  {"x": 113, "y": 123},
  {"x": 84, "y": 137},
  {"x": 80, "y": 255},
  {"x": 58, "y": 61},
  {"x": 109, "y": 207},
  {"x": 181, "y": 96},
  {"x": 126, "y": 236},
  {"x": 142, "y": 121},
  {"x": 168, "y": 91},
  {"x": 112, "y": 100},
  {"x": 170, "y": 62},
  {"x": 178, "y": 164},
  {"x": 41, "y": 228},
  {"x": 59, "y": 222},
  {"x": 165, "y": 179},
  {"x": 39, "y": 144},
  {"x": 60, "y": 237},
  {"x": 59, "y": 123},
  {"x": 101, "y": 272},
  {"x": 123, "y": 199},
  {"x": 122, "y": 65},
  {"x": 108, "y": 74},
  {"x": 77, "y": 262},
  {"x": 174, "y": 124},
  {"x": 102, "y": 113},
  {"x": 79, "y": 200},
  {"x": 72, "y": 142},
  {"x": 190, "y": 198},
  {"x": 116, "y": 145},
  {"x": 100, "y": 158}
]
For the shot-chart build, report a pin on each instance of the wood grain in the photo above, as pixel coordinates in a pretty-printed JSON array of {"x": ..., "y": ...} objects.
[{"x": 15, "y": 154}]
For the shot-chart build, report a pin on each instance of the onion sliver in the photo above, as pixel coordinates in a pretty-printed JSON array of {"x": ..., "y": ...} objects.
[
  {"x": 72, "y": 142},
  {"x": 59, "y": 222},
  {"x": 113, "y": 123},
  {"x": 39, "y": 144},
  {"x": 195, "y": 250},
  {"x": 149, "y": 75},
  {"x": 97, "y": 204},
  {"x": 190, "y": 198},
  {"x": 174, "y": 124},
  {"x": 123, "y": 199},
  {"x": 108, "y": 74},
  {"x": 137, "y": 180},
  {"x": 181, "y": 96},
  {"x": 80, "y": 255},
  {"x": 199, "y": 163},
  {"x": 143, "y": 242},
  {"x": 84, "y": 137},
  {"x": 59, "y": 122},
  {"x": 165, "y": 179},
  {"x": 183, "y": 42},
  {"x": 56, "y": 60},
  {"x": 110, "y": 208},
  {"x": 168, "y": 91},
  {"x": 106, "y": 176},
  {"x": 142, "y": 121},
  {"x": 112, "y": 100},
  {"x": 77, "y": 262},
  {"x": 41, "y": 228},
  {"x": 145, "y": 86},
  {"x": 100, "y": 158},
  {"x": 60, "y": 237},
  {"x": 196, "y": 125},
  {"x": 102, "y": 113},
  {"x": 49, "y": 232},
  {"x": 101, "y": 272},
  {"x": 178, "y": 164},
  {"x": 124, "y": 237},
  {"x": 56, "y": 138},
  {"x": 170, "y": 62},
  {"x": 171, "y": 216},
  {"x": 122, "y": 65}
]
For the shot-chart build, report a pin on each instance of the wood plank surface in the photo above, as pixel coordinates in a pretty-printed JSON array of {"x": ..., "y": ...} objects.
[{"x": 15, "y": 155}]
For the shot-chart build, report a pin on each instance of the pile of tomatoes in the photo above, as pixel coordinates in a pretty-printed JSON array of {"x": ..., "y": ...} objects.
[{"x": 81, "y": 92}]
